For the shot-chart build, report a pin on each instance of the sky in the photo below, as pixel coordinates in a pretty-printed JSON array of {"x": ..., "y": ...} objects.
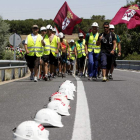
[{"x": 45, "y": 9}]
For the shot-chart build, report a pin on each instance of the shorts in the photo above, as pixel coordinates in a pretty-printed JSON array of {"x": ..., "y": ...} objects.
[
  {"x": 106, "y": 60},
  {"x": 32, "y": 61},
  {"x": 81, "y": 62},
  {"x": 63, "y": 58},
  {"x": 45, "y": 58},
  {"x": 53, "y": 60}
]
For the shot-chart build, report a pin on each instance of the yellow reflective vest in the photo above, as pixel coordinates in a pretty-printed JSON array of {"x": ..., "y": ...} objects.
[
  {"x": 92, "y": 43},
  {"x": 53, "y": 45},
  {"x": 47, "y": 45},
  {"x": 72, "y": 56},
  {"x": 80, "y": 49},
  {"x": 35, "y": 48}
]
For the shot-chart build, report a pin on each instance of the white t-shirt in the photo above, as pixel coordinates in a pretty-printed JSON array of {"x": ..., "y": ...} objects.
[{"x": 34, "y": 38}]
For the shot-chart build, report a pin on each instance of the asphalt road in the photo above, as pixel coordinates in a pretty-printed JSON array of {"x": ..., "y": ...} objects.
[{"x": 114, "y": 106}]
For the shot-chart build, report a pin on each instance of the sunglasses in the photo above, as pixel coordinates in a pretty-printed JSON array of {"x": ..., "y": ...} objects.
[
  {"x": 106, "y": 27},
  {"x": 111, "y": 29},
  {"x": 35, "y": 28}
]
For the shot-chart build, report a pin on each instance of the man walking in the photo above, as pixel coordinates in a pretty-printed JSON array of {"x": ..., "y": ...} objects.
[
  {"x": 93, "y": 51},
  {"x": 107, "y": 41},
  {"x": 34, "y": 50}
]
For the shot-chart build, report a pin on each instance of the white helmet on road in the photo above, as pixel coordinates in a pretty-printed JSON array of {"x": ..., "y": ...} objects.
[
  {"x": 111, "y": 26},
  {"x": 49, "y": 27},
  {"x": 68, "y": 87},
  {"x": 61, "y": 35},
  {"x": 61, "y": 97},
  {"x": 42, "y": 28},
  {"x": 59, "y": 107},
  {"x": 47, "y": 116},
  {"x": 66, "y": 91},
  {"x": 30, "y": 130},
  {"x": 95, "y": 24}
]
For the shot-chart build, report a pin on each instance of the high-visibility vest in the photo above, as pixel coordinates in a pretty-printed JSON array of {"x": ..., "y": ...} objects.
[
  {"x": 35, "y": 48},
  {"x": 53, "y": 45},
  {"x": 80, "y": 49},
  {"x": 116, "y": 43},
  {"x": 92, "y": 43},
  {"x": 72, "y": 56},
  {"x": 47, "y": 45}
]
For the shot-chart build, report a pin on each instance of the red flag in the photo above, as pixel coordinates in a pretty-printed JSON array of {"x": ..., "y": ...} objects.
[
  {"x": 80, "y": 31},
  {"x": 66, "y": 19},
  {"x": 129, "y": 15}
]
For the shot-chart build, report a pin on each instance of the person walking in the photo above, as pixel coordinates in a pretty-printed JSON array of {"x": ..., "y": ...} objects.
[
  {"x": 117, "y": 52},
  {"x": 107, "y": 41},
  {"x": 34, "y": 50},
  {"x": 93, "y": 51},
  {"x": 81, "y": 51}
]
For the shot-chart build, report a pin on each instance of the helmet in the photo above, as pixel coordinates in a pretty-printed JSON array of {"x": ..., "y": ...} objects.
[
  {"x": 70, "y": 84},
  {"x": 61, "y": 97},
  {"x": 61, "y": 35},
  {"x": 59, "y": 107},
  {"x": 48, "y": 116},
  {"x": 80, "y": 35},
  {"x": 67, "y": 92},
  {"x": 72, "y": 87},
  {"x": 42, "y": 28},
  {"x": 30, "y": 130},
  {"x": 54, "y": 30},
  {"x": 49, "y": 27},
  {"x": 95, "y": 24},
  {"x": 111, "y": 26},
  {"x": 72, "y": 40}
]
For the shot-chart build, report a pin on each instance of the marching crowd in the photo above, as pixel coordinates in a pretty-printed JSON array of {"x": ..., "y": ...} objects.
[{"x": 51, "y": 55}]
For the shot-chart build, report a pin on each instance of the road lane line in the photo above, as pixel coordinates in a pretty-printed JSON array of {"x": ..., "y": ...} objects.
[{"x": 82, "y": 129}]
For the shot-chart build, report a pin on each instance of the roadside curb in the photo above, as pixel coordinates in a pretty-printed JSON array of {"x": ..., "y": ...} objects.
[{"x": 6, "y": 82}]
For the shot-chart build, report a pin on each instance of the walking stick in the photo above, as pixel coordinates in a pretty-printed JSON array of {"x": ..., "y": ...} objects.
[{"x": 85, "y": 66}]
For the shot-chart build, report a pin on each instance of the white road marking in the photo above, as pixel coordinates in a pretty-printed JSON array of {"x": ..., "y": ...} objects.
[
  {"x": 128, "y": 70},
  {"x": 82, "y": 129}
]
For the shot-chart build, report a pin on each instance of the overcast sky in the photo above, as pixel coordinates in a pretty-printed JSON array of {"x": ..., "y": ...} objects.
[{"x": 45, "y": 9}]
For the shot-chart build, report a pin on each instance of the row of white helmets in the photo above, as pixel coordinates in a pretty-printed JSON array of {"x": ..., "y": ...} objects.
[
  {"x": 48, "y": 27},
  {"x": 50, "y": 115},
  {"x": 95, "y": 24}
]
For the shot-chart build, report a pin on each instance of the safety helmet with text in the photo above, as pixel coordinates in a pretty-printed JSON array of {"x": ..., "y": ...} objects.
[
  {"x": 59, "y": 106},
  {"x": 47, "y": 116},
  {"x": 30, "y": 130}
]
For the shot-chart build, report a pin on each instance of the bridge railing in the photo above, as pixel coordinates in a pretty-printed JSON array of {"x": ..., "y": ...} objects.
[
  {"x": 12, "y": 69},
  {"x": 128, "y": 64}
]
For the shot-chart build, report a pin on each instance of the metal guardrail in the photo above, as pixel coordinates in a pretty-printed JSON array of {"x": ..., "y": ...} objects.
[
  {"x": 12, "y": 65},
  {"x": 128, "y": 64}
]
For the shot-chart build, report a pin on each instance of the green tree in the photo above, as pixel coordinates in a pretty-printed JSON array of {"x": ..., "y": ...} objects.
[{"x": 4, "y": 36}]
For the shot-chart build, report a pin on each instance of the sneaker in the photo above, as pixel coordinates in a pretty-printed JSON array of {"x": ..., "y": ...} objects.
[
  {"x": 86, "y": 75},
  {"x": 104, "y": 79},
  {"x": 110, "y": 76},
  {"x": 32, "y": 76},
  {"x": 46, "y": 78},
  {"x": 94, "y": 78},
  {"x": 35, "y": 79},
  {"x": 90, "y": 78},
  {"x": 60, "y": 75}
]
